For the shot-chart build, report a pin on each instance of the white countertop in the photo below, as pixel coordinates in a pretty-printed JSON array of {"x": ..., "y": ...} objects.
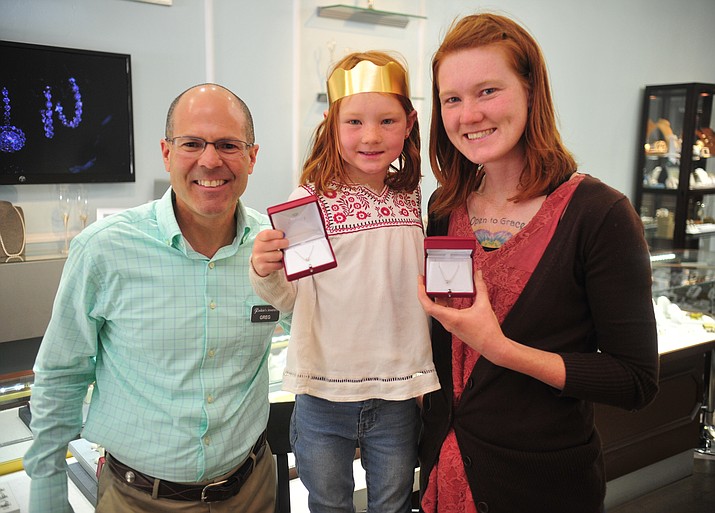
[{"x": 669, "y": 342}]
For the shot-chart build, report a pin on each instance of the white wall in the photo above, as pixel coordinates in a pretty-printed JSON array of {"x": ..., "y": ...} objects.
[
  {"x": 600, "y": 56},
  {"x": 166, "y": 46}
]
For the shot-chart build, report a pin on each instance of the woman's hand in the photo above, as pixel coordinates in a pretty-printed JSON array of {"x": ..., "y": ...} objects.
[
  {"x": 267, "y": 256},
  {"x": 477, "y": 326}
]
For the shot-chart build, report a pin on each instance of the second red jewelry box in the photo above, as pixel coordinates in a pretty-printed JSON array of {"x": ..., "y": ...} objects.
[{"x": 448, "y": 266}]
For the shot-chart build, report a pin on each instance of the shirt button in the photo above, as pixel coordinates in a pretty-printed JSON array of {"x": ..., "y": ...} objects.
[
  {"x": 483, "y": 507},
  {"x": 211, "y": 353},
  {"x": 207, "y": 440},
  {"x": 467, "y": 461},
  {"x": 212, "y": 305},
  {"x": 211, "y": 265},
  {"x": 210, "y": 399}
]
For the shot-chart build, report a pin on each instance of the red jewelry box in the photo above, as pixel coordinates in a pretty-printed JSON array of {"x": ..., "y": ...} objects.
[
  {"x": 309, "y": 251},
  {"x": 448, "y": 266}
]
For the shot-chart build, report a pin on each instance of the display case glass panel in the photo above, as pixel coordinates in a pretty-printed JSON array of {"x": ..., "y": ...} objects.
[{"x": 684, "y": 297}]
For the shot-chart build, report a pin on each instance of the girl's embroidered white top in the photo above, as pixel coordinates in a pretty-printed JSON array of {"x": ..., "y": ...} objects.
[{"x": 358, "y": 331}]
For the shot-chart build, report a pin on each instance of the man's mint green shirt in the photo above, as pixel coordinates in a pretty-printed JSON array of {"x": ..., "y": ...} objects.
[{"x": 181, "y": 371}]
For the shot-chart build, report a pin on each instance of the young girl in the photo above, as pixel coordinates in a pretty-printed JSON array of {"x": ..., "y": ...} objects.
[{"x": 360, "y": 351}]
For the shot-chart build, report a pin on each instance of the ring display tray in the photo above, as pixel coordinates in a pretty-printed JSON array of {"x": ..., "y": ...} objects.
[{"x": 309, "y": 251}]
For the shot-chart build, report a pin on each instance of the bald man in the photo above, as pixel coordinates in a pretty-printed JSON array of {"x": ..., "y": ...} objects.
[{"x": 155, "y": 308}]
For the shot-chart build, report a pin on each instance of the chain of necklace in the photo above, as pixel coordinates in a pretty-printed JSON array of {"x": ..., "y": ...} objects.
[
  {"x": 444, "y": 274},
  {"x": 22, "y": 247},
  {"x": 305, "y": 257}
]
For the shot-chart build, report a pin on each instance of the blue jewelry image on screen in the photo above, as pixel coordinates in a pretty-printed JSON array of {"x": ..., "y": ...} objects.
[{"x": 66, "y": 115}]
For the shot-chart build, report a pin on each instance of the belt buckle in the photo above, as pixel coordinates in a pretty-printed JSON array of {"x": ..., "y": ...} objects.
[{"x": 204, "y": 498}]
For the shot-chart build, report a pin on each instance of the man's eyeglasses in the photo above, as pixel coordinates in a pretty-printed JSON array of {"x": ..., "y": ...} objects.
[{"x": 196, "y": 146}]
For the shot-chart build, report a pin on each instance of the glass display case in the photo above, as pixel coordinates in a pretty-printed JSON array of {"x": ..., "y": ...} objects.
[
  {"x": 686, "y": 277},
  {"x": 654, "y": 446},
  {"x": 675, "y": 179},
  {"x": 684, "y": 302},
  {"x": 684, "y": 297}
]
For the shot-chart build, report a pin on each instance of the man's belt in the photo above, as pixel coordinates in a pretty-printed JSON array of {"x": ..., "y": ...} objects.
[{"x": 210, "y": 492}]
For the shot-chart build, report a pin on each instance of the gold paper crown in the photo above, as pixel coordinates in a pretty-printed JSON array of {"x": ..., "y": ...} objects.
[{"x": 367, "y": 77}]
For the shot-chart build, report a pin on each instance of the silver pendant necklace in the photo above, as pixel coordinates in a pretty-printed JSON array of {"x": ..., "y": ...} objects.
[
  {"x": 446, "y": 275},
  {"x": 306, "y": 258}
]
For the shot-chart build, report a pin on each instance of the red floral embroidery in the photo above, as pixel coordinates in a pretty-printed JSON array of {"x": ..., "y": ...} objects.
[{"x": 351, "y": 208}]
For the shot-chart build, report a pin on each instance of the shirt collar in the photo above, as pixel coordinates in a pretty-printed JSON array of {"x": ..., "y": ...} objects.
[{"x": 171, "y": 233}]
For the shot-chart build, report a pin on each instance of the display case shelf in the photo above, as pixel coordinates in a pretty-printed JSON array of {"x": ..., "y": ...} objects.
[{"x": 367, "y": 15}]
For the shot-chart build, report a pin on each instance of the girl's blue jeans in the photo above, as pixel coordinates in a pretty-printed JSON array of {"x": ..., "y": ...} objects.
[{"x": 324, "y": 435}]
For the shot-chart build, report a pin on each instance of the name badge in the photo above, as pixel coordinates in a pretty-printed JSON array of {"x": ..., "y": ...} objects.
[{"x": 264, "y": 313}]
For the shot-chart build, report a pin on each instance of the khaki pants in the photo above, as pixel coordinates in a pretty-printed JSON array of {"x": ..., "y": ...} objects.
[{"x": 257, "y": 495}]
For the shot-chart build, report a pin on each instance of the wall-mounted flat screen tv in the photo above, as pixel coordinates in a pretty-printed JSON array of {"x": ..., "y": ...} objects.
[{"x": 65, "y": 115}]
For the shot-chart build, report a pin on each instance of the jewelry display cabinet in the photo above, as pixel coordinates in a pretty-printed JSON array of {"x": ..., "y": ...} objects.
[{"x": 675, "y": 179}]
